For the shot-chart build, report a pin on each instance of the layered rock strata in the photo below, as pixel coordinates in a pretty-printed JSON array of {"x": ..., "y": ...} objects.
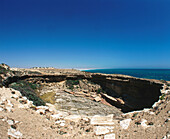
[{"x": 129, "y": 93}]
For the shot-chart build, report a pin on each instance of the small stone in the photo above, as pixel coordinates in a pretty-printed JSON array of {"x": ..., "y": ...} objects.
[
  {"x": 40, "y": 111},
  {"x": 125, "y": 123},
  {"x": 42, "y": 107},
  {"x": 167, "y": 91},
  {"x": 143, "y": 123},
  {"x": 56, "y": 116},
  {"x": 97, "y": 98},
  {"x": 86, "y": 119},
  {"x": 73, "y": 109},
  {"x": 13, "y": 133},
  {"x": 74, "y": 118},
  {"x": 24, "y": 98},
  {"x": 23, "y": 106},
  {"x": 80, "y": 93},
  {"x": 60, "y": 100},
  {"x": 102, "y": 120},
  {"x": 57, "y": 94},
  {"x": 101, "y": 130},
  {"x": 10, "y": 122},
  {"x": 109, "y": 136},
  {"x": 62, "y": 124},
  {"x": 9, "y": 109},
  {"x": 15, "y": 96},
  {"x": 9, "y": 103},
  {"x": 94, "y": 96},
  {"x": 68, "y": 90}
]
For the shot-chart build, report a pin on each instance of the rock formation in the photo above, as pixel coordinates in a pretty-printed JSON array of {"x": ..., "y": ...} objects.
[
  {"x": 84, "y": 105},
  {"x": 134, "y": 93}
]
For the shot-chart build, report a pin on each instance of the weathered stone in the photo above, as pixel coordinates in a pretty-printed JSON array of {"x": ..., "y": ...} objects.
[
  {"x": 80, "y": 93},
  {"x": 143, "y": 123},
  {"x": 109, "y": 136},
  {"x": 60, "y": 100},
  {"x": 9, "y": 109},
  {"x": 42, "y": 107},
  {"x": 56, "y": 116},
  {"x": 41, "y": 111},
  {"x": 23, "y": 106},
  {"x": 13, "y": 133},
  {"x": 15, "y": 96},
  {"x": 68, "y": 90},
  {"x": 62, "y": 124},
  {"x": 111, "y": 98},
  {"x": 125, "y": 123},
  {"x": 102, "y": 120},
  {"x": 94, "y": 96},
  {"x": 74, "y": 118},
  {"x": 101, "y": 130},
  {"x": 10, "y": 122},
  {"x": 9, "y": 103},
  {"x": 97, "y": 98}
]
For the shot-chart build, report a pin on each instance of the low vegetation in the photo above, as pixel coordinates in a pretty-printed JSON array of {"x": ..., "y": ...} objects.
[
  {"x": 48, "y": 97},
  {"x": 70, "y": 83},
  {"x": 3, "y": 70},
  {"x": 28, "y": 90},
  {"x": 162, "y": 97}
]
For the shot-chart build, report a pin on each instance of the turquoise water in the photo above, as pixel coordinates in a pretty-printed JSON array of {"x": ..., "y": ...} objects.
[{"x": 141, "y": 73}]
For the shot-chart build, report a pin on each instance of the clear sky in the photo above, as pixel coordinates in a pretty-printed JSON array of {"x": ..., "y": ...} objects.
[{"x": 85, "y": 33}]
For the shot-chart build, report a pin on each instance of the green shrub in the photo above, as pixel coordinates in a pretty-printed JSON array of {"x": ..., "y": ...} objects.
[
  {"x": 99, "y": 90},
  {"x": 28, "y": 90},
  {"x": 135, "y": 114},
  {"x": 3, "y": 70},
  {"x": 71, "y": 83},
  {"x": 162, "y": 97}
]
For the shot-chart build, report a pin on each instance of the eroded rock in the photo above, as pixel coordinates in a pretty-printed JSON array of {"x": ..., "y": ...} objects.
[
  {"x": 101, "y": 130},
  {"x": 125, "y": 123}
]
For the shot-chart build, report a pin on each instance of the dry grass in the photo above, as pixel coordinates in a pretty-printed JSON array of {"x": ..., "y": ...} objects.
[{"x": 48, "y": 97}]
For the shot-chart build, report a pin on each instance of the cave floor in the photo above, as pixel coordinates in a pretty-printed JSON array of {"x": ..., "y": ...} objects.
[
  {"x": 82, "y": 106},
  {"x": 78, "y": 104}
]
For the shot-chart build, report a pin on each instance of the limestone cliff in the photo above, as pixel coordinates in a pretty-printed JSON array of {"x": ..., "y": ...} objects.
[{"x": 134, "y": 93}]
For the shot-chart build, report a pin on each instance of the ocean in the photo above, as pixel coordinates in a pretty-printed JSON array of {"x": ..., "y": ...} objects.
[{"x": 158, "y": 74}]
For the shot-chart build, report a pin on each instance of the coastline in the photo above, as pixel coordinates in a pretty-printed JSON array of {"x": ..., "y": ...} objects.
[{"x": 158, "y": 74}]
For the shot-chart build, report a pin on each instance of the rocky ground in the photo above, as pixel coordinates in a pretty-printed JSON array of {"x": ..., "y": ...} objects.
[
  {"x": 19, "y": 118},
  {"x": 79, "y": 100},
  {"x": 78, "y": 111}
]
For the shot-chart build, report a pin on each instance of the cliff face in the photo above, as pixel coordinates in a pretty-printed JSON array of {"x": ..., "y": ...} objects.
[
  {"x": 125, "y": 92},
  {"x": 136, "y": 93}
]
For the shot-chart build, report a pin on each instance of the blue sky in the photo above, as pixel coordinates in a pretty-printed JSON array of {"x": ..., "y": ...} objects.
[{"x": 85, "y": 33}]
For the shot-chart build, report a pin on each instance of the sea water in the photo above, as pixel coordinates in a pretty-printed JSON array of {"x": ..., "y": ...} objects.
[{"x": 158, "y": 74}]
